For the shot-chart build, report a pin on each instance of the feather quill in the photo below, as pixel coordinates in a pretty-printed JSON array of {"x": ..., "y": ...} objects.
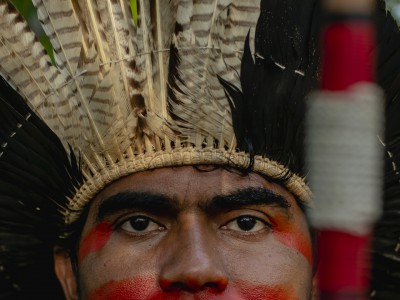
[{"x": 201, "y": 59}]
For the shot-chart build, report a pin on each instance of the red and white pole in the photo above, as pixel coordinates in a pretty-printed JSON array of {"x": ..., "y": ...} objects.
[{"x": 344, "y": 122}]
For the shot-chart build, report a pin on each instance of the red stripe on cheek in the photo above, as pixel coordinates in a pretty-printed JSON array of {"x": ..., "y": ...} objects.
[
  {"x": 143, "y": 288},
  {"x": 292, "y": 237},
  {"x": 128, "y": 289},
  {"x": 146, "y": 288},
  {"x": 252, "y": 291},
  {"x": 96, "y": 239}
]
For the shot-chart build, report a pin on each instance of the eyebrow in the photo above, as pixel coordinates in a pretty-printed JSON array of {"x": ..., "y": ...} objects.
[
  {"x": 145, "y": 201},
  {"x": 164, "y": 205},
  {"x": 246, "y": 197}
]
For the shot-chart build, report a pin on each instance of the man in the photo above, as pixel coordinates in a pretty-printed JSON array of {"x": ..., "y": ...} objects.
[
  {"x": 210, "y": 233},
  {"x": 160, "y": 155}
]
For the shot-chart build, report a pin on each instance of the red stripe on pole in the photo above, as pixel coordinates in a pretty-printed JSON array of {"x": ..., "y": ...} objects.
[
  {"x": 348, "y": 55},
  {"x": 343, "y": 262}
]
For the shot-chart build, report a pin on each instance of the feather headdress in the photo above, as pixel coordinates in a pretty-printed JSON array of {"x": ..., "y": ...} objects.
[
  {"x": 182, "y": 83},
  {"x": 129, "y": 96},
  {"x": 126, "y": 93}
]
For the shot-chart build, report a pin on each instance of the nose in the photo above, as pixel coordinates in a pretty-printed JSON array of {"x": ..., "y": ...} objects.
[{"x": 193, "y": 264}]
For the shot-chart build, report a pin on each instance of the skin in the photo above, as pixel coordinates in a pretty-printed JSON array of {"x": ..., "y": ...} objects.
[{"x": 191, "y": 248}]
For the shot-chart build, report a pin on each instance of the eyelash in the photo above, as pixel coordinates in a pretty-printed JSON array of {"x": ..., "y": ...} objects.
[
  {"x": 264, "y": 222},
  {"x": 123, "y": 220}
]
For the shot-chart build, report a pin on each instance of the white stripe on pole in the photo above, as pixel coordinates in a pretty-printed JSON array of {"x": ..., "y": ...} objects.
[{"x": 345, "y": 157}]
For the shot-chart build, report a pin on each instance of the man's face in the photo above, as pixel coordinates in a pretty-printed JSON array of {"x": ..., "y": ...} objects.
[{"x": 182, "y": 233}]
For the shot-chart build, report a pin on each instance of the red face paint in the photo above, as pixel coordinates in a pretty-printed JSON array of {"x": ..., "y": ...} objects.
[
  {"x": 251, "y": 291},
  {"x": 146, "y": 288},
  {"x": 137, "y": 288},
  {"x": 96, "y": 239},
  {"x": 292, "y": 237}
]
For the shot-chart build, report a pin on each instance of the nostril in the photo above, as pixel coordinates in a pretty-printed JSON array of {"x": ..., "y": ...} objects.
[
  {"x": 189, "y": 286},
  {"x": 212, "y": 285},
  {"x": 172, "y": 286},
  {"x": 193, "y": 286},
  {"x": 178, "y": 286},
  {"x": 167, "y": 285},
  {"x": 218, "y": 285}
]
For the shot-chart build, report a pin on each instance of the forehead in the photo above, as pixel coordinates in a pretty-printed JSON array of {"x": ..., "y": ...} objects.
[{"x": 190, "y": 184}]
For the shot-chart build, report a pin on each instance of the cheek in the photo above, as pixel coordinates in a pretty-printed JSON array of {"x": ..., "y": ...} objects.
[
  {"x": 295, "y": 237},
  {"x": 251, "y": 291},
  {"x": 278, "y": 265},
  {"x": 112, "y": 258},
  {"x": 136, "y": 288},
  {"x": 146, "y": 288},
  {"x": 95, "y": 240}
]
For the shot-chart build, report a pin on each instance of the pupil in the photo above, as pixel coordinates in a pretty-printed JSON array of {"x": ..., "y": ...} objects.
[
  {"x": 139, "y": 223},
  {"x": 246, "y": 223}
]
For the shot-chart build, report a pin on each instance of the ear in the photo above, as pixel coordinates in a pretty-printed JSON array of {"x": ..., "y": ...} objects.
[{"x": 65, "y": 273}]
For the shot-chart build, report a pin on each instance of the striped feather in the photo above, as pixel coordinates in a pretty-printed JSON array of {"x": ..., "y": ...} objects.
[
  {"x": 210, "y": 26},
  {"x": 25, "y": 62},
  {"x": 61, "y": 25},
  {"x": 118, "y": 87},
  {"x": 117, "y": 81}
]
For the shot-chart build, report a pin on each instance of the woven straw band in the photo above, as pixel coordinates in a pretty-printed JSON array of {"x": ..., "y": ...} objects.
[{"x": 181, "y": 157}]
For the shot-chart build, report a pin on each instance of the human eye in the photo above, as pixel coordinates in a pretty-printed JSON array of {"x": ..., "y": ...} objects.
[
  {"x": 247, "y": 223},
  {"x": 140, "y": 225}
]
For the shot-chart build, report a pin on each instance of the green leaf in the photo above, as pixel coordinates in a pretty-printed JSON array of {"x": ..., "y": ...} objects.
[
  {"x": 24, "y": 7},
  {"x": 28, "y": 11},
  {"x": 49, "y": 48},
  {"x": 134, "y": 11}
]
